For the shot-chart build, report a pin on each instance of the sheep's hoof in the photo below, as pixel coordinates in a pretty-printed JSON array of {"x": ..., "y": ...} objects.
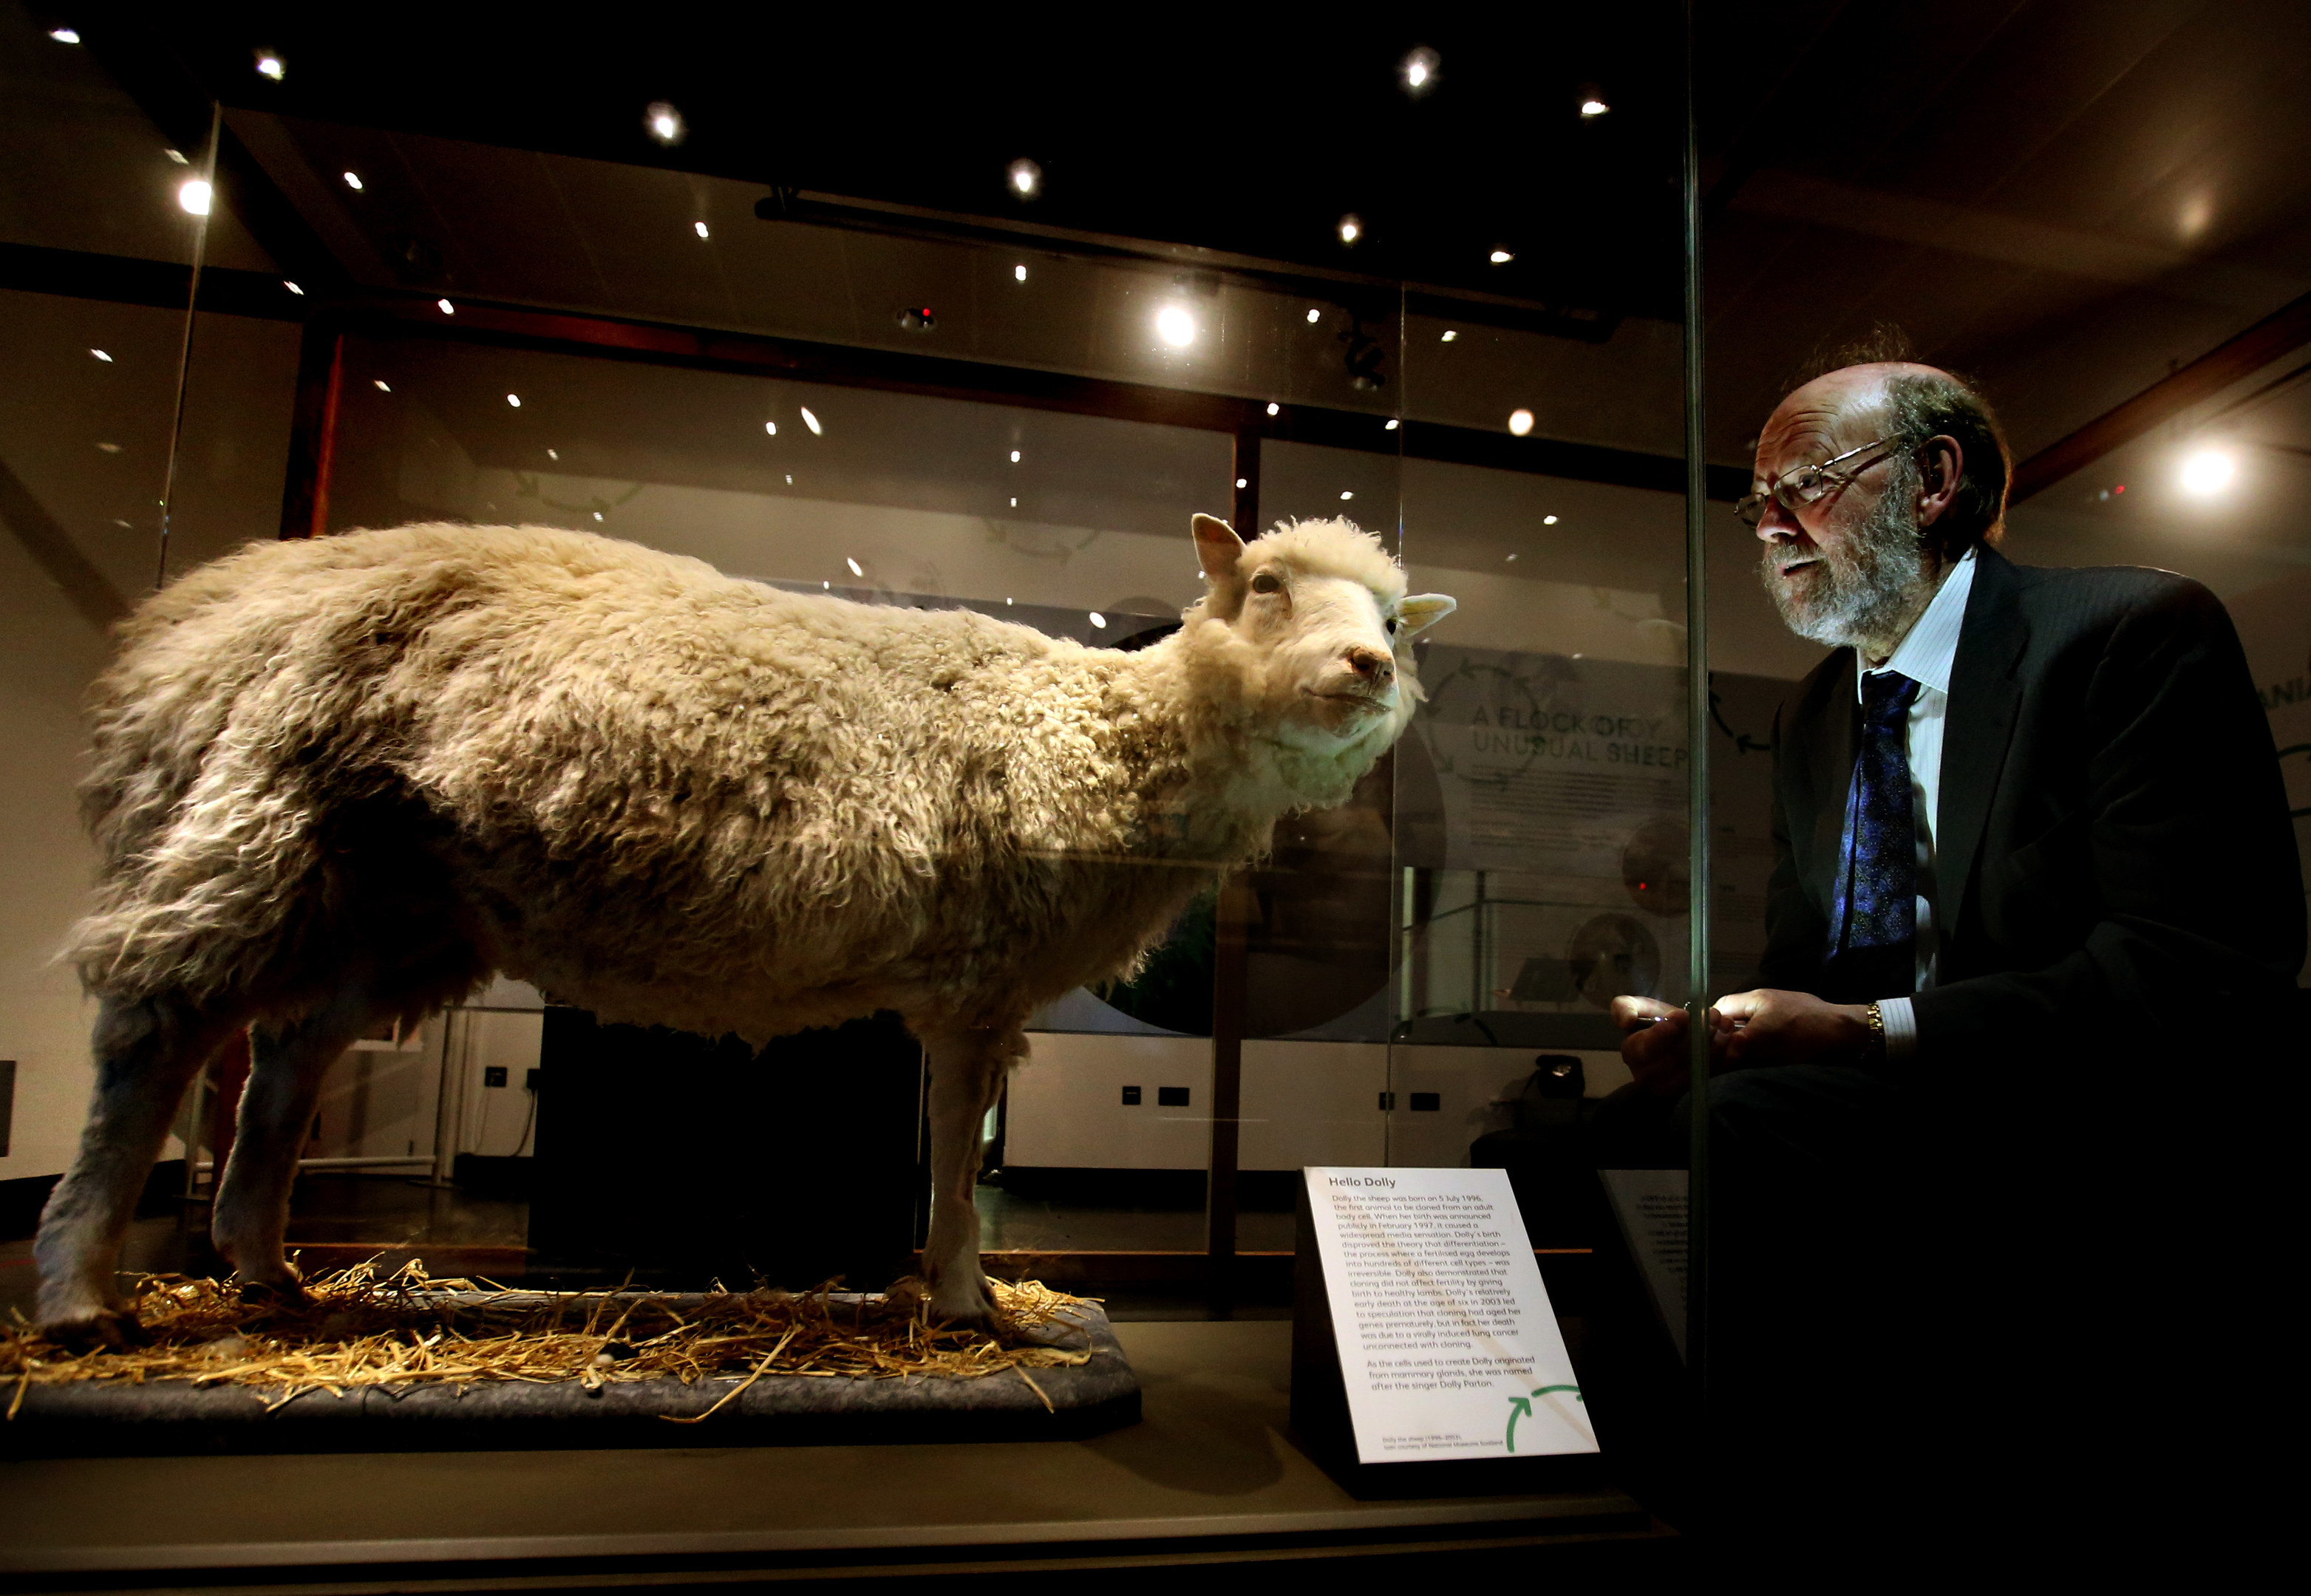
[
  {"x": 113, "y": 1329},
  {"x": 286, "y": 1293}
]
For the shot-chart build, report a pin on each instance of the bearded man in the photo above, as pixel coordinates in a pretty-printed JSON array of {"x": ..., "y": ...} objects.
[{"x": 2035, "y": 914}]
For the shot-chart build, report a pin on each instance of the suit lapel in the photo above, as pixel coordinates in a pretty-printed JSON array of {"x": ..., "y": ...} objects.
[{"x": 1984, "y": 697}]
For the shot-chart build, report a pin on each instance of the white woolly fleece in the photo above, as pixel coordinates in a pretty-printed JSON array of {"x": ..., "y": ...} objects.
[{"x": 407, "y": 758}]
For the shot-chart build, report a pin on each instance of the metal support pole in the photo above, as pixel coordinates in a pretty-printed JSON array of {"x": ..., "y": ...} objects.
[{"x": 1696, "y": 681}]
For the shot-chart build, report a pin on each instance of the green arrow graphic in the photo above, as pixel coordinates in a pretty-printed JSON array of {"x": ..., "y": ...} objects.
[{"x": 1521, "y": 1407}]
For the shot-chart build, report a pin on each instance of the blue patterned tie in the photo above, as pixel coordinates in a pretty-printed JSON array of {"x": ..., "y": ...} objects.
[{"x": 1873, "y": 923}]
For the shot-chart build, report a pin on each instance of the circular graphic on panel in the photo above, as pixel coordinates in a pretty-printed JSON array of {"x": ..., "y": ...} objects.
[
  {"x": 1656, "y": 867},
  {"x": 1614, "y": 954}
]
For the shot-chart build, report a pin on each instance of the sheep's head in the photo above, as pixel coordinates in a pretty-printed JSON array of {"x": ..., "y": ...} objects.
[{"x": 1318, "y": 630}]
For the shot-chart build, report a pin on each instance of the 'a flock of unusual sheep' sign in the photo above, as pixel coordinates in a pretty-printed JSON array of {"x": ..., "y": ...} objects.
[{"x": 1448, "y": 1348}]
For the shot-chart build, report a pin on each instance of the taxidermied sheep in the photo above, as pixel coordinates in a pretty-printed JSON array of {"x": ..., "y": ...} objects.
[{"x": 342, "y": 781}]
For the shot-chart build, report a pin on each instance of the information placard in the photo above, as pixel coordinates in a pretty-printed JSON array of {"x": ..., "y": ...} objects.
[
  {"x": 1448, "y": 1347},
  {"x": 1650, "y": 1205}
]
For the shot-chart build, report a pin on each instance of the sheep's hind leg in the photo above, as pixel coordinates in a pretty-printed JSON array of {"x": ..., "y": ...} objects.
[
  {"x": 146, "y": 1052},
  {"x": 286, "y": 1067},
  {"x": 967, "y": 1069}
]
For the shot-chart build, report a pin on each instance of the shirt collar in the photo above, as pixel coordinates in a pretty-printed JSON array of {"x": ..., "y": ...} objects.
[{"x": 1929, "y": 653}]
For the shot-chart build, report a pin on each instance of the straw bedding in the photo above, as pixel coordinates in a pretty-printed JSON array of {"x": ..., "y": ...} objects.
[{"x": 404, "y": 1329}]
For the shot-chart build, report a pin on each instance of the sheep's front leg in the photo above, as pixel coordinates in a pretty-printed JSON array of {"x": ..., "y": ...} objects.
[
  {"x": 286, "y": 1066},
  {"x": 967, "y": 1070},
  {"x": 146, "y": 1052}
]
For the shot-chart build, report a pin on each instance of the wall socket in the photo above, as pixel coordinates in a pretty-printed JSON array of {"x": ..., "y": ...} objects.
[{"x": 493, "y": 1075}]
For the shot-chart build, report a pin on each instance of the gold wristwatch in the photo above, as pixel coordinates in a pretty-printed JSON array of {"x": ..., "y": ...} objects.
[{"x": 1874, "y": 1051}]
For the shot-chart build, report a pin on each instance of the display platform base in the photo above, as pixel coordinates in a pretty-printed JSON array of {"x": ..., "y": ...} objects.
[{"x": 113, "y": 1417}]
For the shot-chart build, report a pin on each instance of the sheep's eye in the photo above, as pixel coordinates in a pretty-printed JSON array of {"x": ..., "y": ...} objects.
[
  {"x": 1266, "y": 582},
  {"x": 1392, "y": 625}
]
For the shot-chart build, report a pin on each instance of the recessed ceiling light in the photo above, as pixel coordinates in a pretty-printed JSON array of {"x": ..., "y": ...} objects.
[
  {"x": 1501, "y": 256},
  {"x": 101, "y": 355},
  {"x": 1241, "y": 482},
  {"x": 1511, "y": 559},
  {"x": 771, "y": 428},
  {"x": 1450, "y": 334},
  {"x": 292, "y": 288},
  {"x": 353, "y": 181},
  {"x": 110, "y": 448},
  {"x": 1024, "y": 179},
  {"x": 1592, "y": 100},
  {"x": 1014, "y": 500},
  {"x": 1019, "y": 273},
  {"x": 1099, "y": 620},
  {"x": 1548, "y": 521},
  {"x": 269, "y": 64},
  {"x": 445, "y": 306},
  {"x": 1520, "y": 422},
  {"x": 193, "y": 196},
  {"x": 1175, "y": 327},
  {"x": 855, "y": 569},
  {"x": 514, "y": 400},
  {"x": 177, "y": 156},
  {"x": 2209, "y": 471},
  {"x": 1015, "y": 457},
  {"x": 552, "y": 454},
  {"x": 1345, "y": 494},
  {"x": 811, "y": 422},
  {"x": 1390, "y": 424},
  {"x": 699, "y": 228},
  {"x": 64, "y": 35},
  {"x": 1418, "y": 71},
  {"x": 1351, "y": 228},
  {"x": 665, "y": 124},
  {"x": 380, "y": 384},
  {"x": 597, "y": 515},
  {"x": 1315, "y": 316},
  {"x": 789, "y": 479},
  {"x": 1274, "y": 408}
]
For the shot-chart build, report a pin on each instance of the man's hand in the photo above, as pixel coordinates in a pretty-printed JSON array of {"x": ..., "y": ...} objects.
[
  {"x": 1655, "y": 1045},
  {"x": 1770, "y": 1028}
]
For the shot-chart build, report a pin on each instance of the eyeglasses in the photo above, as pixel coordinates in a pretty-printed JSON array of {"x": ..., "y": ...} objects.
[{"x": 1807, "y": 485}]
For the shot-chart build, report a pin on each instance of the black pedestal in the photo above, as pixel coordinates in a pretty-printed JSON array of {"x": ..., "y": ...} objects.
[{"x": 687, "y": 1160}]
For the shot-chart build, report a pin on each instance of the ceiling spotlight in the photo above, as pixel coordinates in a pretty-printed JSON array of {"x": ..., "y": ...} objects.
[
  {"x": 1450, "y": 334},
  {"x": 699, "y": 228},
  {"x": 1015, "y": 457},
  {"x": 597, "y": 515},
  {"x": 292, "y": 288},
  {"x": 811, "y": 422},
  {"x": 855, "y": 568},
  {"x": 64, "y": 35},
  {"x": 1592, "y": 100},
  {"x": 1548, "y": 521},
  {"x": 552, "y": 454},
  {"x": 384, "y": 387},
  {"x": 771, "y": 428},
  {"x": 2209, "y": 471},
  {"x": 1243, "y": 482},
  {"x": 514, "y": 400},
  {"x": 1019, "y": 273},
  {"x": 665, "y": 124},
  {"x": 1024, "y": 179},
  {"x": 194, "y": 195},
  {"x": 1315, "y": 316},
  {"x": 1351, "y": 228},
  {"x": 101, "y": 355},
  {"x": 1274, "y": 408},
  {"x": 1520, "y": 422},
  {"x": 1500, "y": 256},
  {"x": 1419, "y": 71},
  {"x": 1390, "y": 424},
  {"x": 268, "y": 65},
  {"x": 1014, "y": 500},
  {"x": 1175, "y": 327},
  {"x": 445, "y": 306},
  {"x": 1099, "y": 620},
  {"x": 177, "y": 156},
  {"x": 1345, "y": 494},
  {"x": 353, "y": 181}
]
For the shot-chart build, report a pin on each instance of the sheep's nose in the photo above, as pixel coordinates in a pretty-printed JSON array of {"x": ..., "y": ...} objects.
[{"x": 1372, "y": 666}]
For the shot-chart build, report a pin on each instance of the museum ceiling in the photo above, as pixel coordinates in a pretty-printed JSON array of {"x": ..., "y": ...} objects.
[{"x": 2069, "y": 199}]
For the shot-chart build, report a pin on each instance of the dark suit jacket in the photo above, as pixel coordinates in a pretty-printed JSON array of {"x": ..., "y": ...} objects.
[{"x": 2116, "y": 868}]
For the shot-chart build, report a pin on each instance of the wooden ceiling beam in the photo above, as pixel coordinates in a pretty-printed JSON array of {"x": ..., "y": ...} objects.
[{"x": 2287, "y": 328}]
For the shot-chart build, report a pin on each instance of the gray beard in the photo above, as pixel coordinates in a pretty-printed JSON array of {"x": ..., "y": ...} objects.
[{"x": 1871, "y": 583}]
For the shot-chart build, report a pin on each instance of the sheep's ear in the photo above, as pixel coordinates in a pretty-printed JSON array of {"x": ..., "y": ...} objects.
[
  {"x": 1417, "y": 614},
  {"x": 1218, "y": 547}
]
